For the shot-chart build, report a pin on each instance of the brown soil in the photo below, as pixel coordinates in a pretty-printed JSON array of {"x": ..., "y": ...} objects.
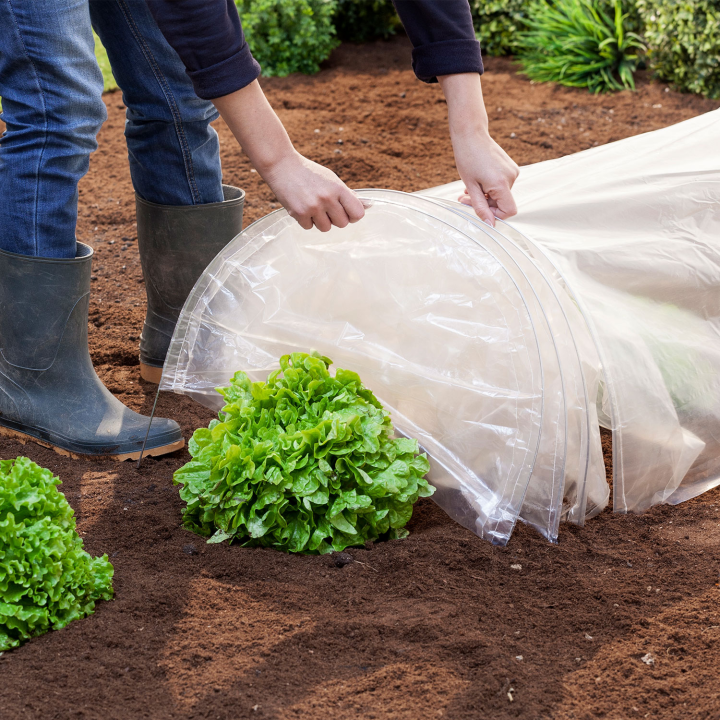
[{"x": 438, "y": 625}]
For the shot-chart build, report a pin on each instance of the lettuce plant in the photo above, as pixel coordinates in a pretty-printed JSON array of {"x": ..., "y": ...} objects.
[
  {"x": 305, "y": 462},
  {"x": 47, "y": 580}
]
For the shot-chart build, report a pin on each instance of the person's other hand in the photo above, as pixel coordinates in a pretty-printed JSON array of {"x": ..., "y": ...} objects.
[
  {"x": 313, "y": 194},
  {"x": 486, "y": 169},
  {"x": 489, "y": 174}
]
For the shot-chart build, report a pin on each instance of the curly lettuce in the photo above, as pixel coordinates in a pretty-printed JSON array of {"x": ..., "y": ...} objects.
[
  {"x": 305, "y": 463},
  {"x": 47, "y": 580}
]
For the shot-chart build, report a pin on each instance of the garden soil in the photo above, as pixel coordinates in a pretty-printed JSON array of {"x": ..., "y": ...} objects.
[{"x": 619, "y": 620}]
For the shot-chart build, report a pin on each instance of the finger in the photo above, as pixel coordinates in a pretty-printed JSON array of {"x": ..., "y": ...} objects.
[
  {"x": 352, "y": 205},
  {"x": 480, "y": 205},
  {"x": 466, "y": 200},
  {"x": 337, "y": 214},
  {"x": 304, "y": 220},
  {"x": 504, "y": 202},
  {"x": 322, "y": 222}
]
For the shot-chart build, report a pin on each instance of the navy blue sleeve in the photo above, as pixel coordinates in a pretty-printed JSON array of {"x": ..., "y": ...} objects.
[
  {"x": 207, "y": 36},
  {"x": 442, "y": 35}
]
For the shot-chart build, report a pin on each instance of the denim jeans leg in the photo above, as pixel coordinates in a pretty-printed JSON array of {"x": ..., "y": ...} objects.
[
  {"x": 51, "y": 89},
  {"x": 174, "y": 151}
]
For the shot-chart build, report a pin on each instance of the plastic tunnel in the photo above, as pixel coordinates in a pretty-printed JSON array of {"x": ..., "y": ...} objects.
[{"x": 502, "y": 349}]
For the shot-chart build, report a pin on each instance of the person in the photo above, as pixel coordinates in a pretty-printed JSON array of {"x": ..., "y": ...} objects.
[{"x": 179, "y": 64}]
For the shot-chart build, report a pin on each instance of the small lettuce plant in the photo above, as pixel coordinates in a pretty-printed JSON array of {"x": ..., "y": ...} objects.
[
  {"x": 305, "y": 462},
  {"x": 47, "y": 580}
]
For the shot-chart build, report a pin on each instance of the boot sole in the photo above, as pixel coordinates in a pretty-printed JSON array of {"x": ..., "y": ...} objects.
[
  {"x": 151, "y": 374},
  {"x": 149, "y": 452}
]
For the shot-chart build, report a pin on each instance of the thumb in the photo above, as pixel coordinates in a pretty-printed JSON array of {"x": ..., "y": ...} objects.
[{"x": 480, "y": 204}]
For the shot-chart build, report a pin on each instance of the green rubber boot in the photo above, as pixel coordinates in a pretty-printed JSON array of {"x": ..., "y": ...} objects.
[
  {"x": 176, "y": 244},
  {"x": 49, "y": 391}
]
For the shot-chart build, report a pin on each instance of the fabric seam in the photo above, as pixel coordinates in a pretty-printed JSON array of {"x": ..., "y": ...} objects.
[
  {"x": 169, "y": 97},
  {"x": 45, "y": 128}
]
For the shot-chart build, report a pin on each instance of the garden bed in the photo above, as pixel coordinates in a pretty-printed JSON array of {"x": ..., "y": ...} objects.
[{"x": 439, "y": 625}]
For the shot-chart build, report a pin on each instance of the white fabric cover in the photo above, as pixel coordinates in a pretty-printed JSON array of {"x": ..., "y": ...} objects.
[{"x": 633, "y": 227}]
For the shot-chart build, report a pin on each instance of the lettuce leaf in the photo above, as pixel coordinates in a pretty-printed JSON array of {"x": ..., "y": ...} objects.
[
  {"x": 305, "y": 462},
  {"x": 47, "y": 580}
]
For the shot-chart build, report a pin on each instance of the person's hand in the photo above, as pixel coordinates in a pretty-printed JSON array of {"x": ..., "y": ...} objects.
[
  {"x": 313, "y": 194},
  {"x": 485, "y": 168},
  {"x": 489, "y": 174}
]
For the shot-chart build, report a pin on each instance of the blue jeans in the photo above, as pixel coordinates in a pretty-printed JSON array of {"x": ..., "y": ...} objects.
[{"x": 51, "y": 89}]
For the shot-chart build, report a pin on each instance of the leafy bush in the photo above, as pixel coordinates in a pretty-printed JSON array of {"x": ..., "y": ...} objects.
[
  {"x": 498, "y": 24},
  {"x": 580, "y": 44},
  {"x": 364, "y": 20},
  {"x": 47, "y": 580},
  {"x": 683, "y": 38},
  {"x": 288, "y": 36},
  {"x": 305, "y": 462}
]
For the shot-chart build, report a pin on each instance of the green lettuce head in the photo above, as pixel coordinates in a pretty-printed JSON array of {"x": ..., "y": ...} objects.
[
  {"x": 47, "y": 580},
  {"x": 305, "y": 462}
]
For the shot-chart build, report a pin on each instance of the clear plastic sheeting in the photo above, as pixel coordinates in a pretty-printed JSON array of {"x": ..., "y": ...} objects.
[
  {"x": 464, "y": 337},
  {"x": 432, "y": 321},
  {"x": 585, "y": 490},
  {"x": 503, "y": 349},
  {"x": 632, "y": 230}
]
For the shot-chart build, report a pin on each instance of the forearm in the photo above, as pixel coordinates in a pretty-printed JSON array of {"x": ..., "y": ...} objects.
[
  {"x": 466, "y": 106},
  {"x": 311, "y": 194},
  {"x": 484, "y": 167},
  {"x": 256, "y": 127}
]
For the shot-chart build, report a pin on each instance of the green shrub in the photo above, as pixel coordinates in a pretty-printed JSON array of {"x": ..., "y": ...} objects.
[
  {"x": 683, "y": 38},
  {"x": 305, "y": 462},
  {"x": 361, "y": 21},
  {"x": 580, "y": 43},
  {"x": 498, "y": 24},
  {"x": 47, "y": 580},
  {"x": 288, "y": 36}
]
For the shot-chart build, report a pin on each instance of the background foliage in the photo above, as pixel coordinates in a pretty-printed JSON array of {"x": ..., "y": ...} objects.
[
  {"x": 47, "y": 580},
  {"x": 288, "y": 36},
  {"x": 580, "y": 43},
  {"x": 102, "y": 59},
  {"x": 365, "y": 20},
  {"x": 683, "y": 37},
  {"x": 498, "y": 24}
]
